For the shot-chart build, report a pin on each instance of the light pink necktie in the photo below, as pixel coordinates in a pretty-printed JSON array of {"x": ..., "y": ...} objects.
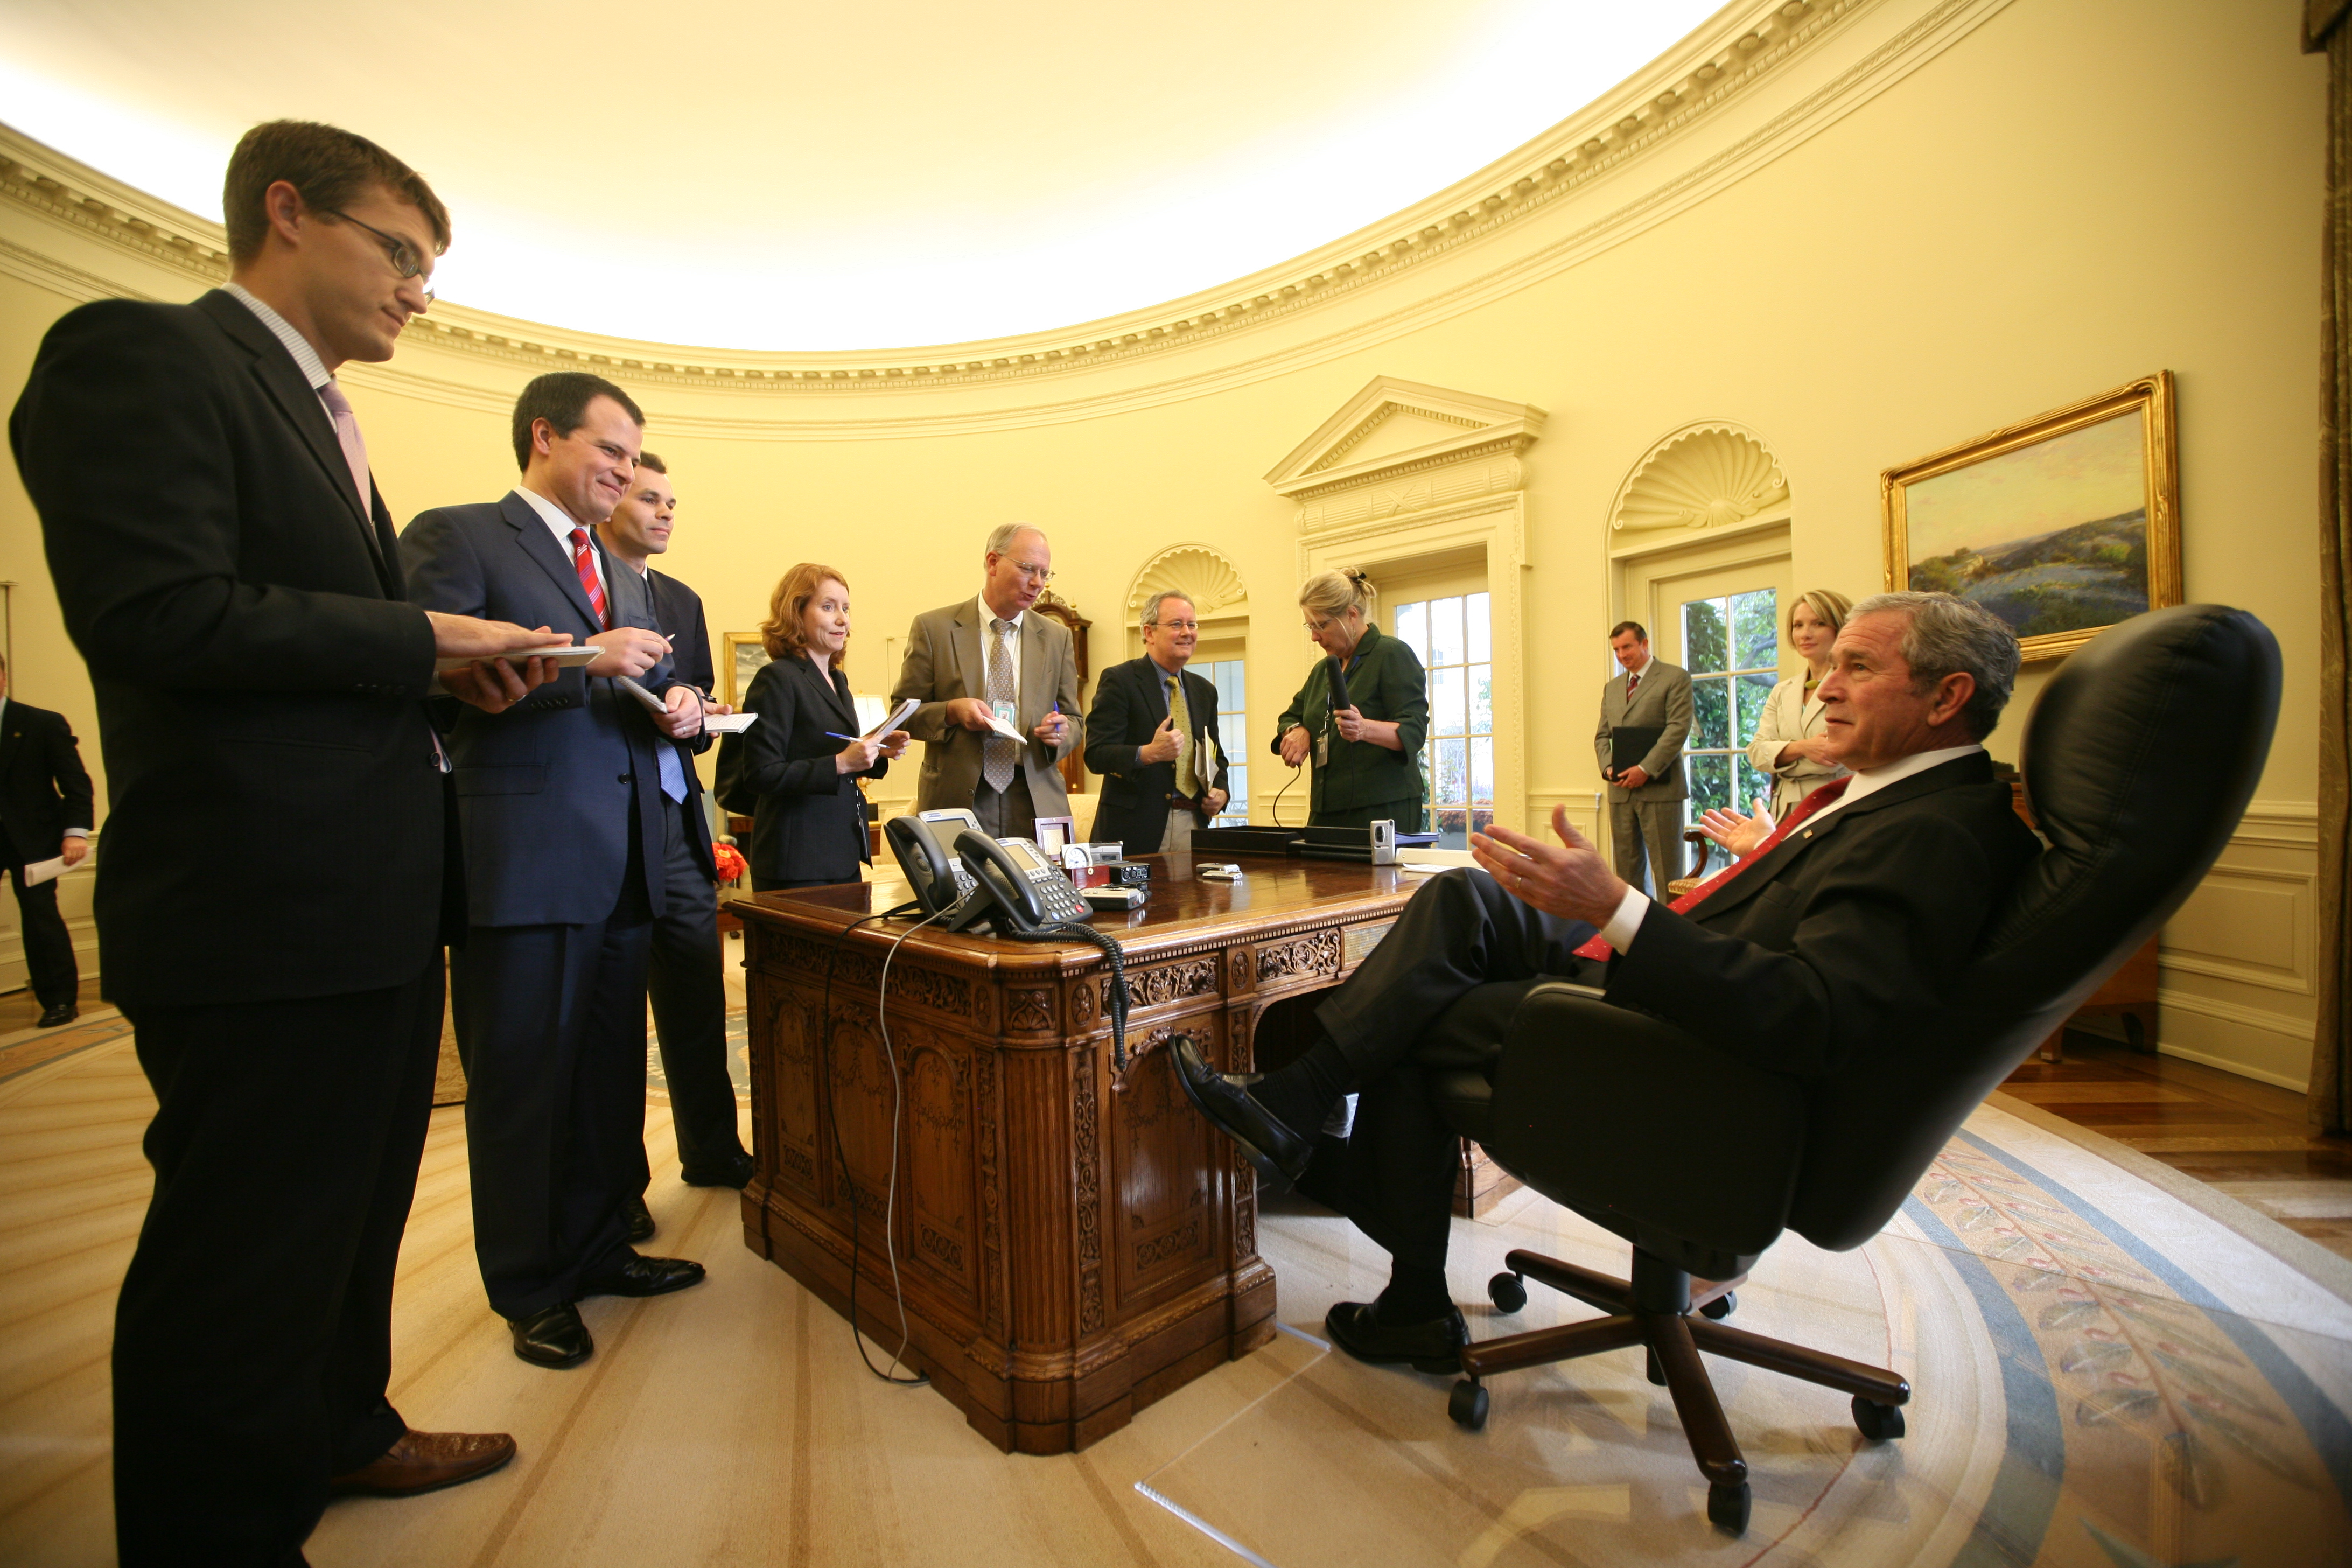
[{"x": 347, "y": 436}]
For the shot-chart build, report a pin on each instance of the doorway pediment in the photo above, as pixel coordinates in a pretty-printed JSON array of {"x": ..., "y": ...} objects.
[{"x": 1392, "y": 427}]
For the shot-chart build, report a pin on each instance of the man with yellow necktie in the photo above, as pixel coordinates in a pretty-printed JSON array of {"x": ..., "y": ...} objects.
[{"x": 1152, "y": 734}]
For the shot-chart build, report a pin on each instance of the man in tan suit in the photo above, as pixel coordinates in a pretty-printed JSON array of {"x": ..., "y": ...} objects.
[
  {"x": 1645, "y": 801},
  {"x": 988, "y": 658}
]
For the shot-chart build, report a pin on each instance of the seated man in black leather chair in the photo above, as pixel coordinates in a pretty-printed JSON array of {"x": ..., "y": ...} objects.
[{"x": 1823, "y": 943}]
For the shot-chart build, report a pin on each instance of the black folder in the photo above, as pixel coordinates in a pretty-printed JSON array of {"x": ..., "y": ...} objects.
[{"x": 1629, "y": 743}]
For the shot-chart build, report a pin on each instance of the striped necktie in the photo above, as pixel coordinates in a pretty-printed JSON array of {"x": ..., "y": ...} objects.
[{"x": 583, "y": 561}]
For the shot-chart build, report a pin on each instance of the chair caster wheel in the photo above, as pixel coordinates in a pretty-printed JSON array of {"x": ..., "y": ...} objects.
[
  {"x": 1507, "y": 1291},
  {"x": 1655, "y": 1373},
  {"x": 1467, "y": 1404},
  {"x": 1722, "y": 1307},
  {"x": 1727, "y": 1505},
  {"x": 1879, "y": 1423}
]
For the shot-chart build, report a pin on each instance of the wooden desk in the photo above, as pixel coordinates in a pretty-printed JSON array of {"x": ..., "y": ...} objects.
[{"x": 1072, "y": 1248}]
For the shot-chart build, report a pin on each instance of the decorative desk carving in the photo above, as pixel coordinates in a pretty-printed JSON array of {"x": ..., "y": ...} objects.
[{"x": 1073, "y": 1246}]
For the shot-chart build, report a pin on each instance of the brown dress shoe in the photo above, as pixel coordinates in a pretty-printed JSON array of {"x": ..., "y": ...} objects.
[{"x": 425, "y": 1462}]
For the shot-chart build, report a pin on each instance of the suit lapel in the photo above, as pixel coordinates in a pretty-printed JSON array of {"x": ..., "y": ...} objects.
[
  {"x": 282, "y": 380},
  {"x": 964, "y": 636},
  {"x": 1037, "y": 671},
  {"x": 1971, "y": 769},
  {"x": 531, "y": 534},
  {"x": 829, "y": 689},
  {"x": 12, "y": 727}
]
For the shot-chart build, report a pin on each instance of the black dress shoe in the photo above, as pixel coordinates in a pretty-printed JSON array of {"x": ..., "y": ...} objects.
[
  {"x": 63, "y": 1013},
  {"x": 1279, "y": 1154},
  {"x": 554, "y": 1336},
  {"x": 640, "y": 1219},
  {"x": 643, "y": 1276},
  {"x": 731, "y": 1172},
  {"x": 1434, "y": 1344}
]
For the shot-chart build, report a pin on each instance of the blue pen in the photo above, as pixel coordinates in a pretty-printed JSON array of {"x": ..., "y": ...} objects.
[{"x": 839, "y": 736}]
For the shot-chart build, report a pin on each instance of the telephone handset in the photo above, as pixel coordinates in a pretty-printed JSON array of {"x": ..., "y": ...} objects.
[
  {"x": 1025, "y": 888},
  {"x": 925, "y": 846}
]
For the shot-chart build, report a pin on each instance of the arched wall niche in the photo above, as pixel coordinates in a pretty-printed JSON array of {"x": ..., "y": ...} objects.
[
  {"x": 1708, "y": 474},
  {"x": 1214, "y": 584}
]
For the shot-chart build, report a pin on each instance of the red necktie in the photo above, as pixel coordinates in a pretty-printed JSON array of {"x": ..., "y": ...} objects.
[
  {"x": 1632, "y": 684},
  {"x": 585, "y": 562},
  {"x": 1596, "y": 948}
]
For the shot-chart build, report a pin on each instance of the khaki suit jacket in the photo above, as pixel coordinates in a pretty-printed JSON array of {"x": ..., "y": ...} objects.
[
  {"x": 1664, "y": 699},
  {"x": 943, "y": 662}
]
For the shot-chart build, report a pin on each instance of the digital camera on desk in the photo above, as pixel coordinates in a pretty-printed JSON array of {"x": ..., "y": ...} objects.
[{"x": 963, "y": 877}]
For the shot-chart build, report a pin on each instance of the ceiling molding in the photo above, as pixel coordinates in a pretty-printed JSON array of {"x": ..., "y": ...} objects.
[{"x": 770, "y": 396}]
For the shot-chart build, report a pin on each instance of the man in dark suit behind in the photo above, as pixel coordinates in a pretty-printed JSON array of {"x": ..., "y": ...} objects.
[
  {"x": 271, "y": 903},
  {"x": 1153, "y": 767},
  {"x": 46, "y": 807},
  {"x": 683, "y": 978},
  {"x": 561, "y": 808},
  {"x": 1824, "y": 942}
]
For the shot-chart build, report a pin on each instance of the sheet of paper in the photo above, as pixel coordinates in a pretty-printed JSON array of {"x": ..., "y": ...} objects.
[
  {"x": 1433, "y": 859},
  {"x": 729, "y": 723},
  {"x": 898, "y": 719},
  {"x": 40, "y": 871},
  {"x": 653, "y": 703},
  {"x": 564, "y": 657},
  {"x": 1005, "y": 730}
]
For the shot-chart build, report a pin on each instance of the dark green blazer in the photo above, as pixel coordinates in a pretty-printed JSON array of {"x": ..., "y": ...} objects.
[{"x": 1385, "y": 682}]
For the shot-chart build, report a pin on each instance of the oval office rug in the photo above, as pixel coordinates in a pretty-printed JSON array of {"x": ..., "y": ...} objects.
[{"x": 2111, "y": 1367}]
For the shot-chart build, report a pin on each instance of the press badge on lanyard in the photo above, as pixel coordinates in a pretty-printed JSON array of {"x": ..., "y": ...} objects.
[{"x": 1007, "y": 714}]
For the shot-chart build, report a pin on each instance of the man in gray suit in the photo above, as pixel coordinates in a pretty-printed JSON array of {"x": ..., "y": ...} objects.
[
  {"x": 1645, "y": 801},
  {"x": 968, "y": 664},
  {"x": 561, "y": 810}
]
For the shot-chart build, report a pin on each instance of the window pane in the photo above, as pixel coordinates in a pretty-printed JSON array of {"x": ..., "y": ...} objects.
[
  {"x": 1453, "y": 830},
  {"x": 1452, "y": 783},
  {"x": 1482, "y": 700},
  {"x": 1444, "y": 631},
  {"x": 1448, "y": 713},
  {"x": 1477, "y": 611},
  {"x": 1703, "y": 649},
  {"x": 1753, "y": 787},
  {"x": 1482, "y": 773},
  {"x": 1482, "y": 820},
  {"x": 1710, "y": 784},
  {"x": 1413, "y": 628},
  {"x": 1711, "y": 714},
  {"x": 1755, "y": 629},
  {"x": 1750, "y": 692}
]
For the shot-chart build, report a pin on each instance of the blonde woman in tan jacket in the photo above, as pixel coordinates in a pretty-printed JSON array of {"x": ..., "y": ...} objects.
[{"x": 1789, "y": 737}]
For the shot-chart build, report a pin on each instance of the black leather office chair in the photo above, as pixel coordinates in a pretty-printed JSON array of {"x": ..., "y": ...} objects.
[{"x": 1701, "y": 1161}]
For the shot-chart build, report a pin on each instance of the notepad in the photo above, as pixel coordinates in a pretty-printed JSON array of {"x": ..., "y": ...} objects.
[{"x": 567, "y": 656}]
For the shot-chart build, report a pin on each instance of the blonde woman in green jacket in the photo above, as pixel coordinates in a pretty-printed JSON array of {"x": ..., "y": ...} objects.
[{"x": 1367, "y": 755}]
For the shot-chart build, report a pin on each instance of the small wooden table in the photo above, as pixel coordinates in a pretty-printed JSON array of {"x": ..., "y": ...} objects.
[{"x": 1072, "y": 1247}]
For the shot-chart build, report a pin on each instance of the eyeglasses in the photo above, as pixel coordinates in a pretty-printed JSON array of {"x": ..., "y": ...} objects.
[
  {"x": 1179, "y": 625},
  {"x": 396, "y": 250},
  {"x": 1034, "y": 572}
]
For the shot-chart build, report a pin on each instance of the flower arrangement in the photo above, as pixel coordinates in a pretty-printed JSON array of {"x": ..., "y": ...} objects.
[{"x": 731, "y": 864}]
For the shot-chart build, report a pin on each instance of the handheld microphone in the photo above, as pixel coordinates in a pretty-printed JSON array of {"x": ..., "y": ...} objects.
[{"x": 1339, "y": 684}]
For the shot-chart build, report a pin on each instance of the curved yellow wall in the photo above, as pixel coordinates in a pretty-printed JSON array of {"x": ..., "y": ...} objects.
[{"x": 2055, "y": 197}]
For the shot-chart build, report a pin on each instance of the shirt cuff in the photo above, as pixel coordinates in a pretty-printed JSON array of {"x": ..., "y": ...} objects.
[
  {"x": 1619, "y": 932},
  {"x": 76, "y": 833}
]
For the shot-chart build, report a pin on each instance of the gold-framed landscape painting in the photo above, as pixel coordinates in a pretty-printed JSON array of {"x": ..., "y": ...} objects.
[
  {"x": 2060, "y": 526},
  {"x": 745, "y": 653}
]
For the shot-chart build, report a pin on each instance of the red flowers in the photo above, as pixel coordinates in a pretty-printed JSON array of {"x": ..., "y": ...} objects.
[{"x": 731, "y": 864}]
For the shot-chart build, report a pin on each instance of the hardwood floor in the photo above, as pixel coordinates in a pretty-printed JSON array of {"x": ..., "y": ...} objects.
[{"x": 2246, "y": 1139}]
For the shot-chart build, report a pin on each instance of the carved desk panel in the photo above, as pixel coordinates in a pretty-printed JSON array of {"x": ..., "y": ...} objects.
[{"x": 1071, "y": 1245}]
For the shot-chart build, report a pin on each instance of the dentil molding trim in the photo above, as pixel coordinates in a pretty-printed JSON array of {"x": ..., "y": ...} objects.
[{"x": 1651, "y": 111}]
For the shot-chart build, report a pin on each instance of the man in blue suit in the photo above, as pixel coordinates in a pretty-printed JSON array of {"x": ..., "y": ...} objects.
[{"x": 560, "y": 811}]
